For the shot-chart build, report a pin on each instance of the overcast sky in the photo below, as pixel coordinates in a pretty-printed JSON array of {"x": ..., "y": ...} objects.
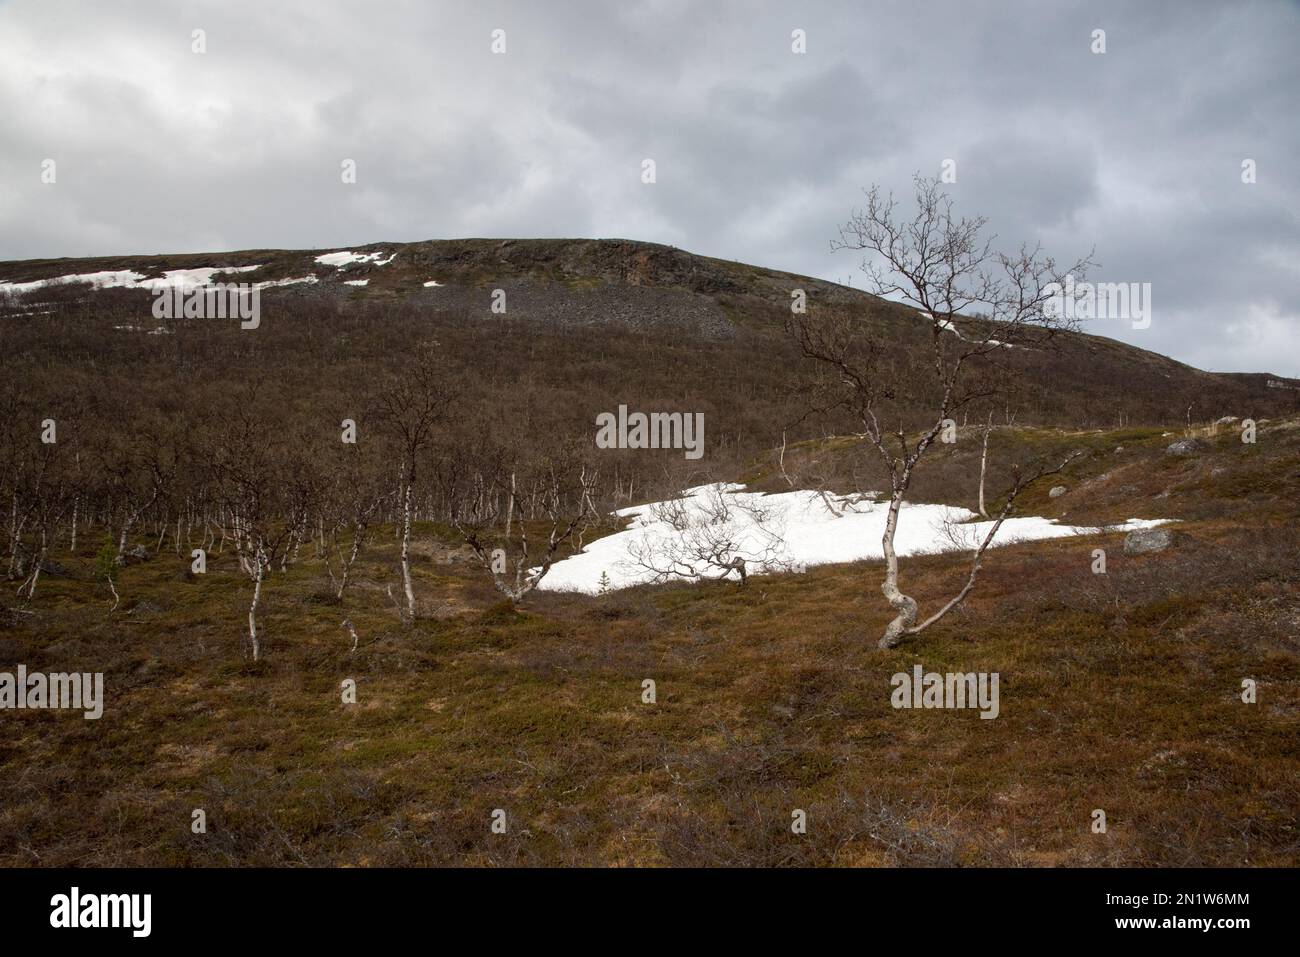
[{"x": 760, "y": 152}]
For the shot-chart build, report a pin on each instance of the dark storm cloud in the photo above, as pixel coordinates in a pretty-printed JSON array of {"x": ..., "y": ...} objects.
[{"x": 760, "y": 152}]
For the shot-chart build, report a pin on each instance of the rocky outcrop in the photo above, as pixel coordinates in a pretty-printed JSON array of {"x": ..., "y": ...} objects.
[
  {"x": 1185, "y": 447},
  {"x": 1144, "y": 541}
]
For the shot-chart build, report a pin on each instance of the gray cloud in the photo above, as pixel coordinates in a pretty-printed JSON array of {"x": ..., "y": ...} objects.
[{"x": 760, "y": 153}]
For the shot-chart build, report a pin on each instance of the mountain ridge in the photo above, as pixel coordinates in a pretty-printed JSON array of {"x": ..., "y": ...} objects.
[{"x": 663, "y": 289}]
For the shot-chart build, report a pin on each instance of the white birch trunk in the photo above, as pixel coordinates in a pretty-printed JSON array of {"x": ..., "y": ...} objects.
[
  {"x": 406, "y": 552},
  {"x": 347, "y": 565},
  {"x": 257, "y": 597},
  {"x": 984, "y": 459},
  {"x": 902, "y": 604}
]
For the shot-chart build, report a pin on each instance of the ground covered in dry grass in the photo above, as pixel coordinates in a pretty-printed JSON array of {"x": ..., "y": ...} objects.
[{"x": 1118, "y": 691}]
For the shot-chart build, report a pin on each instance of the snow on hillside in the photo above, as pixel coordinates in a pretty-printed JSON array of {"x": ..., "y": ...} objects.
[
  {"x": 286, "y": 282},
  {"x": 100, "y": 280},
  {"x": 190, "y": 278},
  {"x": 129, "y": 279},
  {"x": 696, "y": 536},
  {"x": 346, "y": 258}
]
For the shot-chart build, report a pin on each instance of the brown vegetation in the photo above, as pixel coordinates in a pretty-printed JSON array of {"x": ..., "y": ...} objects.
[{"x": 1119, "y": 691}]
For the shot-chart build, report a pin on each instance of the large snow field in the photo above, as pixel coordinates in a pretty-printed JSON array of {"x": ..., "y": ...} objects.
[{"x": 780, "y": 532}]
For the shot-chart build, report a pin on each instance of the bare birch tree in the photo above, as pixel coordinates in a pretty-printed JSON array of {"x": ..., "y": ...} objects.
[
  {"x": 500, "y": 508},
  {"x": 978, "y": 306},
  {"x": 48, "y": 494},
  {"x": 138, "y": 472},
  {"x": 254, "y": 468},
  {"x": 409, "y": 410},
  {"x": 354, "y": 498},
  {"x": 712, "y": 533}
]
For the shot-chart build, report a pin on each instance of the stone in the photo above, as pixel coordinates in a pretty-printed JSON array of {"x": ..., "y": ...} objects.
[
  {"x": 1143, "y": 541},
  {"x": 1056, "y": 492},
  {"x": 1185, "y": 447},
  {"x": 133, "y": 554}
]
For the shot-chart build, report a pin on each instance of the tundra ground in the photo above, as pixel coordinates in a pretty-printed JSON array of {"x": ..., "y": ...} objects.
[{"x": 1119, "y": 692}]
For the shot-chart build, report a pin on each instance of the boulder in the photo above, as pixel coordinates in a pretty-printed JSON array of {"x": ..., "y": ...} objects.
[
  {"x": 1145, "y": 540},
  {"x": 1056, "y": 492},
  {"x": 133, "y": 554},
  {"x": 1185, "y": 447}
]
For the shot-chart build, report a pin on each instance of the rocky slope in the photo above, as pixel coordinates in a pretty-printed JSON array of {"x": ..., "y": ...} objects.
[{"x": 661, "y": 291}]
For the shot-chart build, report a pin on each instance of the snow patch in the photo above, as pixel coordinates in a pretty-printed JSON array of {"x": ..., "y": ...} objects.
[
  {"x": 187, "y": 279},
  {"x": 285, "y": 282},
  {"x": 356, "y": 282},
  {"x": 347, "y": 258},
  {"x": 786, "y": 531},
  {"x": 431, "y": 283},
  {"x": 128, "y": 279},
  {"x": 100, "y": 280}
]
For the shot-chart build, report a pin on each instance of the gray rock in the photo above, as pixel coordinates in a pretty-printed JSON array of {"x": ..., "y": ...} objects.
[
  {"x": 1056, "y": 492},
  {"x": 133, "y": 554},
  {"x": 1226, "y": 420},
  {"x": 1185, "y": 447},
  {"x": 1144, "y": 540}
]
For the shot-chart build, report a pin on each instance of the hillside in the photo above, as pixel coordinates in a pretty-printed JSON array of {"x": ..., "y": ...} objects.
[
  {"x": 718, "y": 323},
  {"x": 193, "y": 440}
]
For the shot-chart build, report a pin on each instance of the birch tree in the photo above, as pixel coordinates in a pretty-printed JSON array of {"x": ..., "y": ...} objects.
[
  {"x": 978, "y": 309},
  {"x": 354, "y": 498},
  {"x": 408, "y": 411},
  {"x": 517, "y": 518},
  {"x": 254, "y": 469},
  {"x": 138, "y": 471},
  {"x": 714, "y": 532},
  {"x": 47, "y": 495}
]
